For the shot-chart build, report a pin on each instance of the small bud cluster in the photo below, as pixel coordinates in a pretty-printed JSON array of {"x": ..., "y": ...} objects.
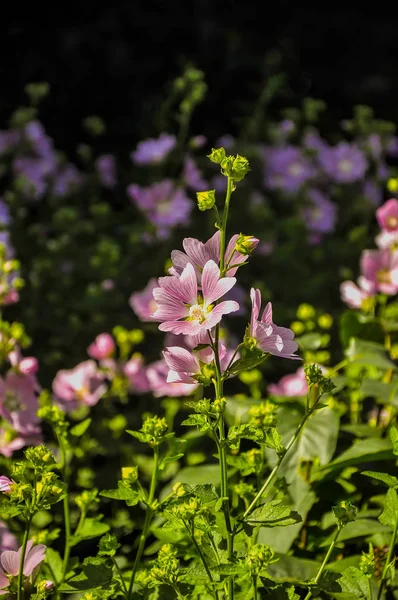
[
  {"x": 345, "y": 512},
  {"x": 234, "y": 167},
  {"x": 263, "y": 415},
  {"x": 315, "y": 376},
  {"x": 167, "y": 566},
  {"x": 259, "y": 557}
]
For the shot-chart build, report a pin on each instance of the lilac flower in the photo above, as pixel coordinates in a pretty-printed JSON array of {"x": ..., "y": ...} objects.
[
  {"x": 313, "y": 141},
  {"x": 321, "y": 215},
  {"x": 34, "y": 555},
  {"x": 143, "y": 303},
  {"x": 106, "y": 169},
  {"x": 5, "y": 218},
  {"x": 136, "y": 374},
  {"x": 198, "y": 141},
  {"x": 372, "y": 191},
  {"x": 8, "y": 541},
  {"x": 102, "y": 347},
  {"x": 67, "y": 180},
  {"x": 5, "y": 484},
  {"x": 163, "y": 204},
  {"x": 287, "y": 169},
  {"x": 153, "y": 151},
  {"x": 18, "y": 402},
  {"x": 380, "y": 267},
  {"x": 182, "y": 310},
  {"x": 198, "y": 253},
  {"x": 387, "y": 215},
  {"x": 354, "y": 295},
  {"x": 218, "y": 183},
  {"x": 157, "y": 374},
  {"x": 33, "y": 174},
  {"x": 344, "y": 163},
  {"x": 83, "y": 384},
  {"x": 294, "y": 384},
  {"x": 193, "y": 177},
  {"x": 269, "y": 337},
  {"x": 392, "y": 146},
  {"x": 40, "y": 142},
  {"x": 225, "y": 141},
  {"x": 266, "y": 248}
]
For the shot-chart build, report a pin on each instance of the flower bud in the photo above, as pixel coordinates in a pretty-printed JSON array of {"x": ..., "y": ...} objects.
[
  {"x": 235, "y": 167},
  {"x": 28, "y": 365},
  {"x": 217, "y": 155},
  {"x": 345, "y": 512},
  {"x": 206, "y": 200},
  {"x": 102, "y": 347},
  {"x": 245, "y": 244},
  {"x": 130, "y": 474}
]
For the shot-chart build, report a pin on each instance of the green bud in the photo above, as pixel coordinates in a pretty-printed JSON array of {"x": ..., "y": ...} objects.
[
  {"x": 345, "y": 512},
  {"x": 305, "y": 312},
  {"x": 217, "y": 155},
  {"x": 235, "y": 167},
  {"x": 130, "y": 474},
  {"x": 245, "y": 244},
  {"x": 206, "y": 200},
  {"x": 325, "y": 321},
  {"x": 259, "y": 557},
  {"x": 108, "y": 545}
]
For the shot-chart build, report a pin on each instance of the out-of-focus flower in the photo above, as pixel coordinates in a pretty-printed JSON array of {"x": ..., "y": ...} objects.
[
  {"x": 18, "y": 402},
  {"x": 164, "y": 204},
  {"x": 287, "y": 169},
  {"x": 387, "y": 239},
  {"x": 106, "y": 169},
  {"x": 192, "y": 176},
  {"x": 269, "y": 337},
  {"x": 320, "y": 217},
  {"x": 82, "y": 385},
  {"x": 354, "y": 295},
  {"x": 67, "y": 180},
  {"x": 135, "y": 371},
  {"x": 198, "y": 141},
  {"x": 372, "y": 190},
  {"x": 294, "y": 384},
  {"x": 182, "y": 310},
  {"x": 313, "y": 141},
  {"x": 102, "y": 347},
  {"x": 12, "y": 441},
  {"x": 387, "y": 215},
  {"x": 143, "y": 302},
  {"x": 157, "y": 374},
  {"x": 5, "y": 218},
  {"x": 8, "y": 541},
  {"x": 33, "y": 175},
  {"x": 8, "y": 140},
  {"x": 344, "y": 163},
  {"x": 153, "y": 150},
  {"x": 28, "y": 365},
  {"x": 380, "y": 267}
]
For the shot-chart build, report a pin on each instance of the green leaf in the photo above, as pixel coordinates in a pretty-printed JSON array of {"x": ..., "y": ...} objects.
[
  {"x": 361, "y": 451},
  {"x": 355, "y": 529},
  {"x": 293, "y": 569},
  {"x": 393, "y": 433},
  {"x": 353, "y": 325},
  {"x": 131, "y": 496},
  {"x": 201, "y": 421},
  {"x": 274, "y": 514},
  {"x": 199, "y": 475},
  {"x": 389, "y": 480},
  {"x": 279, "y": 591},
  {"x": 54, "y": 560},
  {"x": 169, "y": 459},
  {"x": 97, "y": 572},
  {"x": 389, "y": 516},
  {"x": 92, "y": 527},
  {"x": 369, "y": 354},
  {"x": 353, "y": 585},
  {"x": 383, "y": 392},
  {"x": 81, "y": 428},
  {"x": 310, "y": 341},
  {"x": 246, "y": 363}
]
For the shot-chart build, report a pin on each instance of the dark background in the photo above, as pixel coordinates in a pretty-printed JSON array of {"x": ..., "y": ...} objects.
[{"x": 116, "y": 59}]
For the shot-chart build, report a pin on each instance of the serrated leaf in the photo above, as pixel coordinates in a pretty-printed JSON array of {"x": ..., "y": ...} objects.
[
  {"x": 273, "y": 514},
  {"x": 126, "y": 493},
  {"x": 246, "y": 364},
  {"x": 81, "y": 428},
  {"x": 200, "y": 421},
  {"x": 96, "y": 573},
  {"x": 393, "y": 433},
  {"x": 139, "y": 435},
  {"x": 353, "y": 585},
  {"x": 169, "y": 459},
  {"x": 389, "y": 480},
  {"x": 389, "y": 516},
  {"x": 92, "y": 527}
]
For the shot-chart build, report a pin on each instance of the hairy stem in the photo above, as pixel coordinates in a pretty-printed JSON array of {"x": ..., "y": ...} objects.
[
  {"x": 147, "y": 522},
  {"x": 326, "y": 559}
]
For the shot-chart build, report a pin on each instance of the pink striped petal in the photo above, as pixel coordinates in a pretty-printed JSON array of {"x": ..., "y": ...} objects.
[
  {"x": 174, "y": 377},
  {"x": 33, "y": 557},
  {"x": 168, "y": 308},
  {"x": 224, "y": 308},
  {"x": 179, "y": 260},
  {"x": 189, "y": 284},
  {"x": 172, "y": 286},
  {"x": 213, "y": 287},
  {"x": 196, "y": 251},
  {"x": 255, "y": 296},
  {"x": 180, "y": 359},
  {"x": 4, "y": 582},
  {"x": 178, "y": 327},
  {"x": 267, "y": 314},
  {"x": 10, "y": 561},
  {"x": 213, "y": 247}
]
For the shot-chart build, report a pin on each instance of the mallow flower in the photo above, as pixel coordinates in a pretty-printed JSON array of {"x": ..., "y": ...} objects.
[
  {"x": 83, "y": 384},
  {"x": 355, "y": 295},
  {"x": 189, "y": 367},
  {"x": 143, "y": 303},
  {"x": 387, "y": 215},
  {"x": 102, "y": 347},
  {"x": 34, "y": 555},
  {"x": 380, "y": 267},
  {"x": 267, "y": 336},
  {"x": 181, "y": 309}
]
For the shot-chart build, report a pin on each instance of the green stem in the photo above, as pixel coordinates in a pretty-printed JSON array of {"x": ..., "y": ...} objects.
[
  {"x": 255, "y": 590},
  {"x": 121, "y": 576},
  {"x": 22, "y": 560},
  {"x": 223, "y": 230},
  {"x": 274, "y": 471},
  {"x": 191, "y": 533},
  {"x": 388, "y": 561},
  {"x": 68, "y": 535},
  {"x": 147, "y": 522},
  {"x": 326, "y": 559}
]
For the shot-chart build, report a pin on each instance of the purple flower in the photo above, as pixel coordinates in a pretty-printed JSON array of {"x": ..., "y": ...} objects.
[
  {"x": 344, "y": 163},
  {"x": 153, "y": 151},
  {"x": 8, "y": 541},
  {"x": 320, "y": 217},
  {"x": 8, "y": 140},
  {"x": 143, "y": 303},
  {"x": 287, "y": 169},
  {"x": 136, "y": 374},
  {"x": 193, "y": 177},
  {"x": 185, "y": 365},
  {"x": 83, "y": 384},
  {"x": 163, "y": 204},
  {"x": 225, "y": 141},
  {"x": 33, "y": 174},
  {"x": 182, "y": 310},
  {"x": 294, "y": 384},
  {"x": 106, "y": 169},
  {"x": 269, "y": 337},
  {"x": 5, "y": 218},
  {"x": 67, "y": 180},
  {"x": 41, "y": 143},
  {"x": 372, "y": 191},
  {"x": 313, "y": 141},
  {"x": 198, "y": 141},
  {"x": 157, "y": 374}
]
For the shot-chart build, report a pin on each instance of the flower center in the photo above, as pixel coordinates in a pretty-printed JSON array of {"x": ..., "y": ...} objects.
[
  {"x": 12, "y": 402},
  {"x": 295, "y": 169},
  {"x": 163, "y": 207},
  {"x": 384, "y": 276},
  {"x": 392, "y": 222},
  {"x": 345, "y": 166},
  {"x": 197, "y": 313}
]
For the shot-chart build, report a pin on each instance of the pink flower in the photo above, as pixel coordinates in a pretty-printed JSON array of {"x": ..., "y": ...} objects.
[
  {"x": 184, "y": 365},
  {"x": 182, "y": 310},
  {"x": 354, "y": 295},
  {"x": 18, "y": 402},
  {"x": 136, "y": 374},
  {"x": 157, "y": 374},
  {"x": 4, "y": 583},
  {"x": 27, "y": 366},
  {"x": 387, "y": 215},
  {"x": 83, "y": 384},
  {"x": 387, "y": 239},
  {"x": 5, "y": 484},
  {"x": 153, "y": 151},
  {"x": 102, "y": 347},
  {"x": 8, "y": 541},
  {"x": 143, "y": 303},
  {"x": 10, "y": 560},
  {"x": 380, "y": 267},
  {"x": 269, "y": 337},
  {"x": 11, "y": 441},
  {"x": 198, "y": 254},
  {"x": 294, "y": 384}
]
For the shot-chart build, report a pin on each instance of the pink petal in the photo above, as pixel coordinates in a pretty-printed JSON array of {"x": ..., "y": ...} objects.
[
  {"x": 178, "y": 327},
  {"x": 4, "y": 582},
  {"x": 174, "y": 377},
  {"x": 224, "y": 308},
  {"x": 10, "y": 561},
  {"x": 168, "y": 308},
  {"x": 213, "y": 287},
  {"x": 189, "y": 284},
  {"x": 33, "y": 557},
  {"x": 179, "y": 260},
  {"x": 213, "y": 247},
  {"x": 172, "y": 286},
  {"x": 196, "y": 251},
  {"x": 255, "y": 296},
  {"x": 267, "y": 314},
  {"x": 181, "y": 360}
]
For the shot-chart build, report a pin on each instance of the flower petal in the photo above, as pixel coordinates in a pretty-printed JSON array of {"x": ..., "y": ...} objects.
[
  {"x": 10, "y": 561},
  {"x": 196, "y": 251},
  {"x": 181, "y": 360},
  {"x": 169, "y": 309},
  {"x": 213, "y": 287},
  {"x": 189, "y": 284},
  {"x": 178, "y": 327},
  {"x": 215, "y": 316},
  {"x": 213, "y": 247},
  {"x": 179, "y": 260},
  {"x": 33, "y": 557},
  {"x": 267, "y": 314}
]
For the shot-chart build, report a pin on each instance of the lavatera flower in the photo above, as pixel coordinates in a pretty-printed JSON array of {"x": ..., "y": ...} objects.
[{"x": 182, "y": 309}]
